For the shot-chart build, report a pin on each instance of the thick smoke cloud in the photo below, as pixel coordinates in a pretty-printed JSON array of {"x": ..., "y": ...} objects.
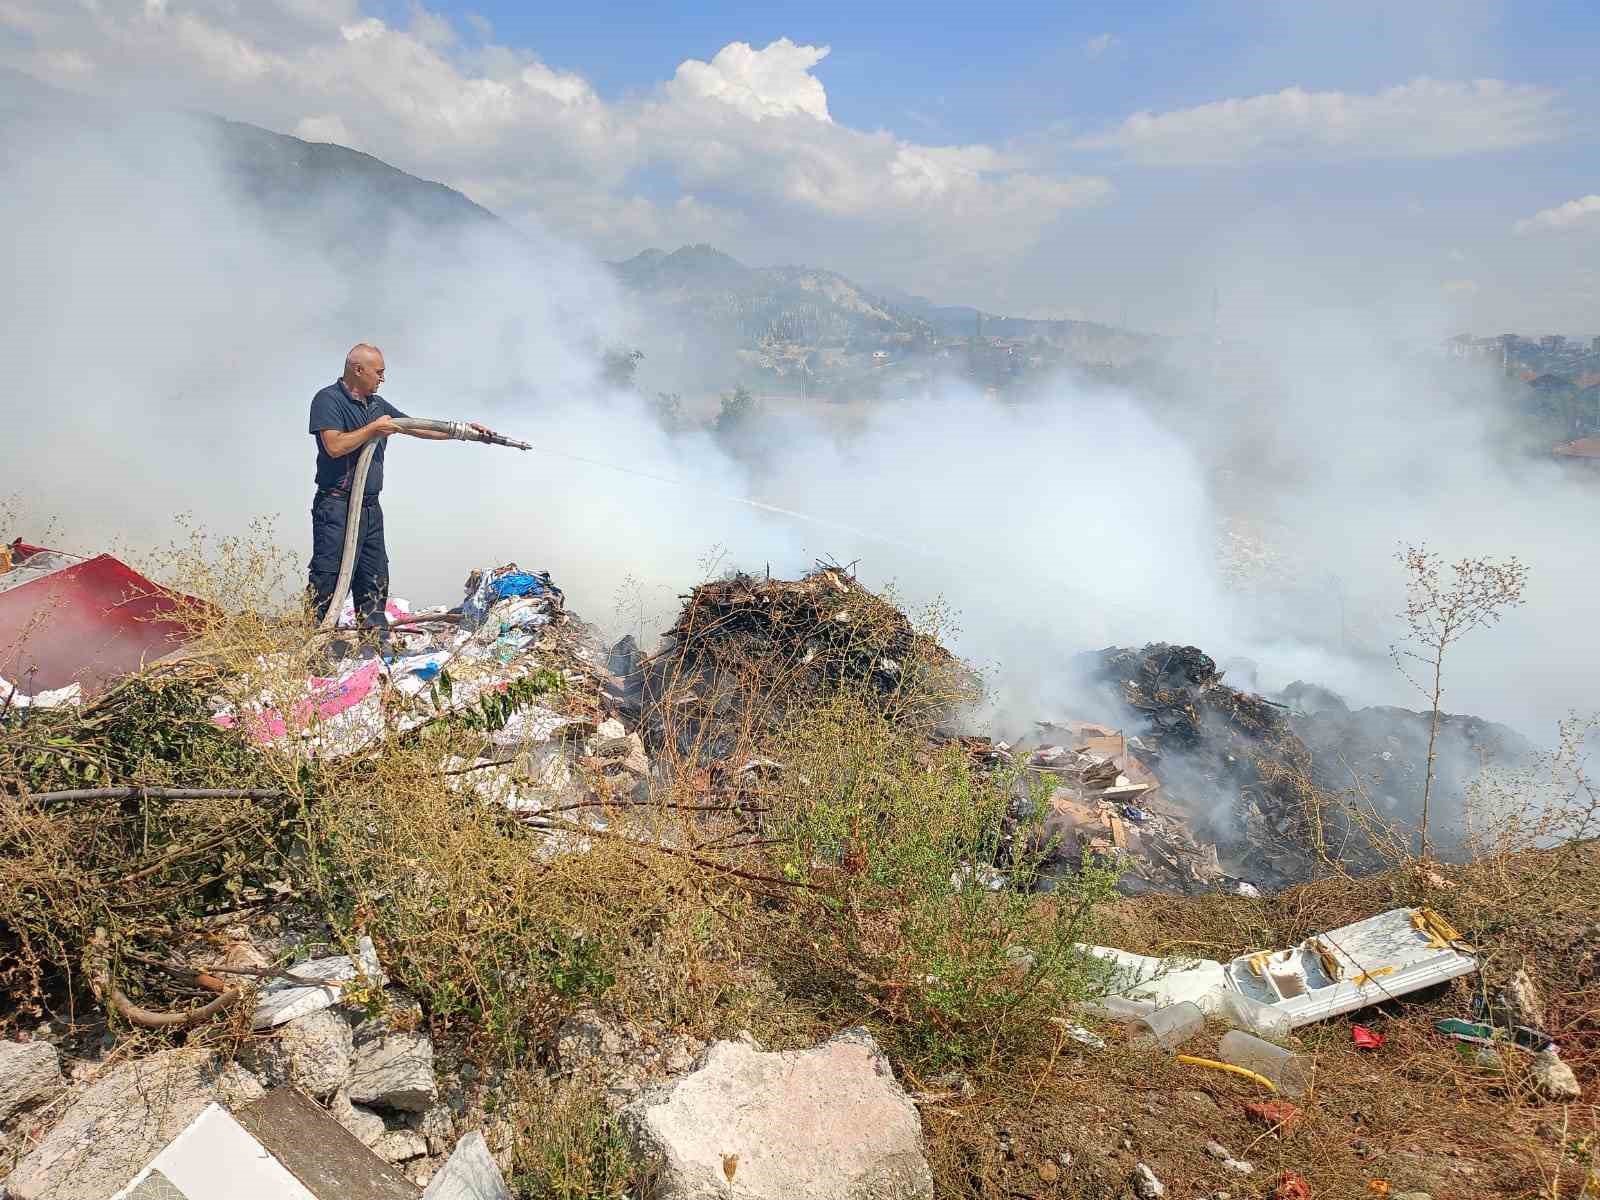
[{"x": 166, "y": 332}]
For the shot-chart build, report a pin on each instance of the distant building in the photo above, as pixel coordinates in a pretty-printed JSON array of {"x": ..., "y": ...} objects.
[{"x": 1552, "y": 342}]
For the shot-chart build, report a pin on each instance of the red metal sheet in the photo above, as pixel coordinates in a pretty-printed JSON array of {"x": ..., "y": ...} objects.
[{"x": 89, "y": 623}]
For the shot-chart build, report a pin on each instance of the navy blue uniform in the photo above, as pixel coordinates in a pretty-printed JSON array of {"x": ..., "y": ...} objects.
[{"x": 335, "y": 408}]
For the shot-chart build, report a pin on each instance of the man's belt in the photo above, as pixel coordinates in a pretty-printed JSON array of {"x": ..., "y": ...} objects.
[{"x": 338, "y": 493}]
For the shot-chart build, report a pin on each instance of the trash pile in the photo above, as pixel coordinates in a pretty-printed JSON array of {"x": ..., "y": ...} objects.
[
  {"x": 1380, "y": 754},
  {"x": 509, "y": 625},
  {"x": 1107, "y": 804},
  {"x": 745, "y": 650},
  {"x": 1229, "y": 760}
]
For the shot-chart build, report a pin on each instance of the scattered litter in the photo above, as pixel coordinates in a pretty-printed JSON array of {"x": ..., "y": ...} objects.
[
  {"x": 1365, "y": 1038},
  {"x": 1289, "y": 1072},
  {"x": 12, "y": 697},
  {"x": 1169, "y": 1027},
  {"x": 1291, "y": 1186},
  {"x": 428, "y": 668},
  {"x": 1162, "y": 981},
  {"x": 1483, "y": 1033},
  {"x": 1190, "y": 1060},
  {"x": 1078, "y": 1033},
  {"x": 1380, "y": 958}
]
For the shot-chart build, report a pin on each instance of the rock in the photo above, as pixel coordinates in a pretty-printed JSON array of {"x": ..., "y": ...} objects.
[
  {"x": 1221, "y": 1153},
  {"x": 1518, "y": 1002},
  {"x": 398, "y": 1012},
  {"x": 469, "y": 1174},
  {"x": 366, "y": 1124},
  {"x": 400, "y": 1145},
  {"x": 437, "y": 1126},
  {"x": 311, "y": 1052},
  {"x": 829, "y": 1123},
  {"x": 123, "y": 1120},
  {"x": 1145, "y": 1184},
  {"x": 394, "y": 1070},
  {"x": 29, "y": 1072},
  {"x": 620, "y": 1058},
  {"x": 1553, "y": 1079}
]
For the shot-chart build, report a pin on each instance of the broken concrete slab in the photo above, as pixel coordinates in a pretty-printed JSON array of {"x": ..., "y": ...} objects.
[
  {"x": 123, "y": 1119},
  {"x": 829, "y": 1123},
  {"x": 283, "y": 1001},
  {"x": 470, "y": 1173},
  {"x": 215, "y": 1158},
  {"x": 312, "y": 1052},
  {"x": 326, "y": 1159},
  {"x": 395, "y": 1071},
  {"x": 30, "y": 1072}
]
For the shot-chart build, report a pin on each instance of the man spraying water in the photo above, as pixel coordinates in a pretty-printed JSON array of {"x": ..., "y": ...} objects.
[{"x": 352, "y": 423}]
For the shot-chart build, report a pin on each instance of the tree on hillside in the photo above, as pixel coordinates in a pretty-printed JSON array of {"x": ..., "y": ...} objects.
[
  {"x": 668, "y": 409},
  {"x": 738, "y": 408},
  {"x": 619, "y": 368}
]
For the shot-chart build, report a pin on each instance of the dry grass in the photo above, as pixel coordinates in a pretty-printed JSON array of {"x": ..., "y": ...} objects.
[
  {"x": 790, "y": 905},
  {"x": 1414, "y": 1114}
]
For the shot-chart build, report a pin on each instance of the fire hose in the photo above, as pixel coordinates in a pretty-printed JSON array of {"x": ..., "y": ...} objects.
[{"x": 458, "y": 430}]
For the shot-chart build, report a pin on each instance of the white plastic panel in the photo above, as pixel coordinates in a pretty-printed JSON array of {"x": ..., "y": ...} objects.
[{"x": 1376, "y": 959}]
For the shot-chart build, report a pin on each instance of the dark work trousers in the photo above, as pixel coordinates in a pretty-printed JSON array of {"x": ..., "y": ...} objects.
[{"x": 369, "y": 584}]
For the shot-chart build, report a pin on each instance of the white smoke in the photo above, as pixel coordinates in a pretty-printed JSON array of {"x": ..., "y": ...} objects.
[{"x": 164, "y": 338}]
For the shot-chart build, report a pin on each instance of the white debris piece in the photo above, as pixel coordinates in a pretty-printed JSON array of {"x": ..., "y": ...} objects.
[
  {"x": 284, "y": 1001},
  {"x": 469, "y": 1174}
]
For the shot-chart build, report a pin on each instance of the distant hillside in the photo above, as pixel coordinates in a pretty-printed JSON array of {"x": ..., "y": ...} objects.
[
  {"x": 960, "y": 320},
  {"x": 755, "y": 304},
  {"x": 811, "y": 306},
  {"x": 356, "y": 199}
]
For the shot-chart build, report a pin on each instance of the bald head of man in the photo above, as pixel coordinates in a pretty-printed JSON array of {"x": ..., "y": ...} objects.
[{"x": 363, "y": 370}]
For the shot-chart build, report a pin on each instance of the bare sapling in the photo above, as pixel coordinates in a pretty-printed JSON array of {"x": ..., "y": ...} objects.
[{"x": 1444, "y": 603}]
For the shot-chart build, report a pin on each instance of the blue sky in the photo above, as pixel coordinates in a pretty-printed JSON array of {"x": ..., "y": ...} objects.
[
  {"x": 1431, "y": 163},
  {"x": 983, "y": 75}
]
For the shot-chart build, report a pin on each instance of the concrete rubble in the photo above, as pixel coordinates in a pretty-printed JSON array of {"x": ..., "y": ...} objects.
[
  {"x": 470, "y": 1173},
  {"x": 623, "y": 1059},
  {"x": 829, "y": 1123},
  {"x": 30, "y": 1073},
  {"x": 312, "y": 1052},
  {"x": 1553, "y": 1079},
  {"x": 395, "y": 1071},
  {"x": 123, "y": 1119}
]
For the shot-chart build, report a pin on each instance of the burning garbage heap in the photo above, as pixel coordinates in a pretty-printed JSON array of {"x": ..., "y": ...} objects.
[
  {"x": 1377, "y": 759},
  {"x": 1232, "y": 766},
  {"x": 746, "y": 651}
]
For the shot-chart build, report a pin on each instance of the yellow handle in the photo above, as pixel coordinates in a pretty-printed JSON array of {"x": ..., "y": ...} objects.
[{"x": 1191, "y": 1061}]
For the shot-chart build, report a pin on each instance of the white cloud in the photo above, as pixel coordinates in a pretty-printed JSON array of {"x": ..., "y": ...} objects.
[
  {"x": 772, "y": 82},
  {"x": 751, "y": 152},
  {"x": 1582, "y": 211},
  {"x": 1426, "y": 118},
  {"x": 1099, "y": 44}
]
